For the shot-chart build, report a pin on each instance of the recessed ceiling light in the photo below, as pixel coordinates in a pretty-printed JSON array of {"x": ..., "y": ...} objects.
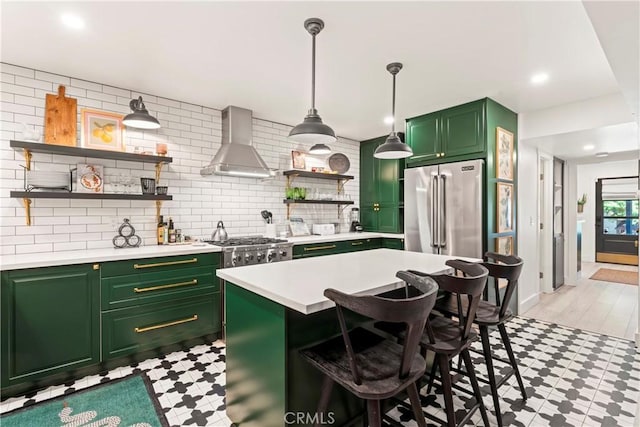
[
  {"x": 388, "y": 120},
  {"x": 588, "y": 147},
  {"x": 602, "y": 154},
  {"x": 72, "y": 21},
  {"x": 539, "y": 78}
]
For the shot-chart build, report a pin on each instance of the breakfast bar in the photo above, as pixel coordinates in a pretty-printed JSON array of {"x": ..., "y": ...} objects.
[{"x": 274, "y": 310}]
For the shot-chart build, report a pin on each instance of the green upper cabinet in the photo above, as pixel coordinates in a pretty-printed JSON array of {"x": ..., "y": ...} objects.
[
  {"x": 423, "y": 136},
  {"x": 379, "y": 190},
  {"x": 457, "y": 133},
  {"x": 50, "y": 321}
]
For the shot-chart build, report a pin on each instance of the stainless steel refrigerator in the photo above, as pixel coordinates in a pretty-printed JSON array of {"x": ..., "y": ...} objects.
[{"x": 443, "y": 209}]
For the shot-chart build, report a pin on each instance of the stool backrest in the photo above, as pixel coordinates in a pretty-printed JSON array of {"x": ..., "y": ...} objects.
[
  {"x": 411, "y": 311},
  {"x": 506, "y": 267},
  {"x": 470, "y": 285}
]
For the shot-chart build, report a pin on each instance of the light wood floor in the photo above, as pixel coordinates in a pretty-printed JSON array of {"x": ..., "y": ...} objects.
[{"x": 592, "y": 305}]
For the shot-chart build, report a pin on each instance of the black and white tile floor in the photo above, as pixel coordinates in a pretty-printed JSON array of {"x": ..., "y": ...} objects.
[{"x": 573, "y": 377}]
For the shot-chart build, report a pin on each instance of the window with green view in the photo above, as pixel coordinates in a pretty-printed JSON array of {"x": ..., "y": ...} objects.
[{"x": 620, "y": 216}]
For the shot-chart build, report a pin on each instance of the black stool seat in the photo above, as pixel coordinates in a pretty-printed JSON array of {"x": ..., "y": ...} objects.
[
  {"x": 378, "y": 361},
  {"x": 446, "y": 332},
  {"x": 487, "y": 313}
]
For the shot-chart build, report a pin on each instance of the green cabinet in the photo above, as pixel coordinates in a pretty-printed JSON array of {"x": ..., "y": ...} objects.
[
  {"x": 454, "y": 134},
  {"x": 337, "y": 247},
  {"x": 138, "y": 328},
  {"x": 148, "y": 303},
  {"x": 380, "y": 190},
  {"x": 50, "y": 321}
]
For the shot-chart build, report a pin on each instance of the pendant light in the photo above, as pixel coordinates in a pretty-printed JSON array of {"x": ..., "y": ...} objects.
[
  {"x": 312, "y": 130},
  {"x": 140, "y": 118},
  {"x": 393, "y": 147}
]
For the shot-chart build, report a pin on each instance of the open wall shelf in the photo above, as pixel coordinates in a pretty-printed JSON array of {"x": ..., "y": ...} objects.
[{"x": 63, "y": 150}]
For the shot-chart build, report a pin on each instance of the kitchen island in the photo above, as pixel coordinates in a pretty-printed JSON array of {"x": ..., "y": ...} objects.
[{"x": 274, "y": 310}]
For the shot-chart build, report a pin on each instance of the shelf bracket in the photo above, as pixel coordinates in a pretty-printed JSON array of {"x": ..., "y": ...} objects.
[
  {"x": 158, "y": 208},
  {"x": 27, "y": 159},
  {"x": 158, "y": 170},
  {"x": 341, "y": 184},
  {"x": 290, "y": 179},
  {"x": 289, "y": 210},
  {"x": 27, "y": 209}
]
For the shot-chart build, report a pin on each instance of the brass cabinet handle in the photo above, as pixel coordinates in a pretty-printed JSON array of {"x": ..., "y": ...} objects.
[
  {"x": 163, "y": 264},
  {"x": 166, "y": 325},
  {"x": 96, "y": 266},
  {"x": 441, "y": 154},
  {"x": 356, "y": 243},
  {"x": 437, "y": 154},
  {"x": 318, "y": 248},
  {"x": 172, "y": 285}
]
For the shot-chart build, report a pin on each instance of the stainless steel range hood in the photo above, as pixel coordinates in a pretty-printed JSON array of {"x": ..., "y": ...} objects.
[{"x": 237, "y": 156}]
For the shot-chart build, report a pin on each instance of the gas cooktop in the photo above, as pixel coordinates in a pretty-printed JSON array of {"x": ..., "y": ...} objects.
[{"x": 246, "y": 241}]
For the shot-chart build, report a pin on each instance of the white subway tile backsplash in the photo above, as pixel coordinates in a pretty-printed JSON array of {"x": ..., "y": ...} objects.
[
  {"x": 36, "y": 84},
  {"x": 26, "y": 249},
  {"x": 70, "y": 246},
  {"x": 193, "y": 135}
]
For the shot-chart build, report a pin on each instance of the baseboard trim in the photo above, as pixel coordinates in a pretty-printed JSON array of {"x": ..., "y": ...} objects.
[{"x": 530, "y": 302}]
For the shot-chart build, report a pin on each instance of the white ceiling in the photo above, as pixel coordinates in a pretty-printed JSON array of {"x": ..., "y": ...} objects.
[
  {"x": 257, "y": 54},
  {"x": 609, "y": 139}
]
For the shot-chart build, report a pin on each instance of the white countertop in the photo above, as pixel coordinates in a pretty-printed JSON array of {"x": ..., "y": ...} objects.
[
  {"x": 342, "y": 236},
  {"x": 300, "y": 284},
  {"x": 50, "y": 259}
]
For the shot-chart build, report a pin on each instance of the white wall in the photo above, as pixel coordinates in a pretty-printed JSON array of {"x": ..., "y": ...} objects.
[
  {"x": 587, "y": 175},
  {"x": 192, "y": 133},
  {"x": 528, "y": 185}
]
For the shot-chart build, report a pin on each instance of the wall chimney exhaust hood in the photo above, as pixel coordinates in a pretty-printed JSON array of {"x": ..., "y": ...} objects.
[{"x": 237, "y": 156}]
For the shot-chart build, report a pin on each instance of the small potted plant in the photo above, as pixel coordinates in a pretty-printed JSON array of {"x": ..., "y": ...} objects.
[{"x": 581, "y": 202}]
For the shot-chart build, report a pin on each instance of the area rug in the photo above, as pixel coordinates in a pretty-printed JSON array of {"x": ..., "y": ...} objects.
[
  {"x": 129, "y": 401},
  {"x": 617, "y": 276}
]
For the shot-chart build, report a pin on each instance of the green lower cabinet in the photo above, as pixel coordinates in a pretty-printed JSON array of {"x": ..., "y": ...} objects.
[
  {"x": 50, "y": 322},
  {"x": 131, "y": 330},
  {"x": 391, "y": 243},
  {"x": 338, "y": 247}
]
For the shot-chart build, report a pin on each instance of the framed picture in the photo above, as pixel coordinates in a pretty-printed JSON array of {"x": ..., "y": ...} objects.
[
  {"x": 101, "y": 130},
  {"x": 504, "y": 208},
  {"x": 89, "y": 178},
  {"x": 504, "y": 245},
  {"x": 297, "y": 160},
  {"x": 504, "y": 154}
]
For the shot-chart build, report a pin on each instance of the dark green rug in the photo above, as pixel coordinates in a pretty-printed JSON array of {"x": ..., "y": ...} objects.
[{"x": 128, "y": 401}]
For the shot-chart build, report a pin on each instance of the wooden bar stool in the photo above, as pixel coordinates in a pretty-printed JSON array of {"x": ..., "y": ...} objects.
[
  {"x": 369, "y": 366},
  {"x": 449, "y": 338},
  {"x": 488, "y": 314}
]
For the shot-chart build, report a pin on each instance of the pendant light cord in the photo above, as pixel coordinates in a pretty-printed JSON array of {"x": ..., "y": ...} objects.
[
  {"x": 393, "y": 106},
  {"x": 313, "y": 74}
]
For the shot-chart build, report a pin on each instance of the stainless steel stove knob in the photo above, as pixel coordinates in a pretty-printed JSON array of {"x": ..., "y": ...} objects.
[
  {"x": 259, "y": 256},
  {"x": 271, "y": 256},
  {"x": 283, "y": 253},
  {"x": 248, "y": 257}
]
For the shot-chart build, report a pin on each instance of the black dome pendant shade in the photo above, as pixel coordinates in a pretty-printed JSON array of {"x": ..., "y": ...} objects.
[
  {"x": 393, "y": 147},
  {"x": 312, "y": 130},
  {"x": 140, "y": 118}
]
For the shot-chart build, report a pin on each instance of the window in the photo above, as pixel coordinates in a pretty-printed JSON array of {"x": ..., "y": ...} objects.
[{"x": 620, "y": 216}]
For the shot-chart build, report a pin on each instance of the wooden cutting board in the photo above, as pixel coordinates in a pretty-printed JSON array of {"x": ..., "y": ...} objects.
[{"x": 60, "y": 119}]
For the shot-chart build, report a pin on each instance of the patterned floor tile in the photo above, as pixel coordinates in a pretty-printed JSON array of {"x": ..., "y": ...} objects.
[{"x": 572, "y": 377}]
